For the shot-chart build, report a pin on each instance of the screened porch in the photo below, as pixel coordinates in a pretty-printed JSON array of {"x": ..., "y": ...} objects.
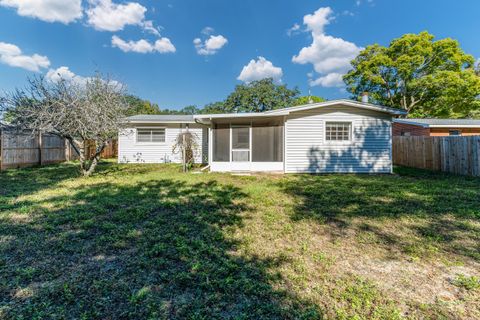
[{"x": 247, "y": 146}]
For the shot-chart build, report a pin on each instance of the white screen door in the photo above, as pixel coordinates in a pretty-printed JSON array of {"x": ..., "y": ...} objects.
[{"x": 241, "y": 144}]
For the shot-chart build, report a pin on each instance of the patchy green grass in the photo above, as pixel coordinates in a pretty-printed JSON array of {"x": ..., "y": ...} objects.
[
  {"x": 146, "y": 241},
  {"x": 467, "y": 282}
]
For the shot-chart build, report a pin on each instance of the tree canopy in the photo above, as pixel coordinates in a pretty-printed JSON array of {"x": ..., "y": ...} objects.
[
  {"x": 425, "y": 77},
  {"x": 307, "y": 99},
  {"x": 81, "y": 113},
  {"x": 256, "y": 96},
  {"x": 259, "y": 96},
  {"x": 140, "y": 106}
]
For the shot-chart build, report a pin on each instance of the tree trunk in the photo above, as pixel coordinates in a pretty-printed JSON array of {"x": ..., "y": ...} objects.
[
  {"x": 93, "y": 164},
  {"x": 87, "y": 171},
  {"x": 184, "y": 154}
]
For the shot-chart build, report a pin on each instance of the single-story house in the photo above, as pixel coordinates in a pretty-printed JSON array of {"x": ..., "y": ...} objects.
[
  {"x": 436, "y": 127},
  {"x": 332, "y": 136}
]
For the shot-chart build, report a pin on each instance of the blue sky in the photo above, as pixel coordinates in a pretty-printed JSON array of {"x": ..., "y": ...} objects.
[{"x": 151, "y": 46}]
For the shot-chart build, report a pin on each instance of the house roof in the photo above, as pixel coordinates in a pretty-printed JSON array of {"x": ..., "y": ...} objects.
[
  {"x": 287, "y": 111},
  {"x": 144, "y": 118},
  {"x": 441, "y": 123},
  {"x": 161, "y": 118}
]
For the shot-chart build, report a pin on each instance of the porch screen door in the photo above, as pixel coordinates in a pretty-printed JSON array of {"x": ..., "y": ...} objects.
[{"x": 240, "y": 144}]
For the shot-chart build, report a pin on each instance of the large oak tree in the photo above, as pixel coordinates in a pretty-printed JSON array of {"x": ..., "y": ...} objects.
[{"x": 427, "y": 78}]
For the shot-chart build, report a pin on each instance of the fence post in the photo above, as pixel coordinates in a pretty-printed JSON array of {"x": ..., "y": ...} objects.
[
  {"x": 66, "y": 150},
  {"x": 40, "y": 149}
]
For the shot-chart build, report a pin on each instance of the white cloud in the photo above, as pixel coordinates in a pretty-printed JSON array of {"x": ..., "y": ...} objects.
[
  {"x": 293, "y": 30},
  {"x": 330, "y": 80},
  {"x": 359, "y": 2},
  {"x": 64, "y": 73},
  {"x": 210, "y": 46},
  {"x": 208, "y": 31},
  {"x": 260, "y": 69},
  {"x": 11, "y": 55},
  {"x": 64, "y": 11},
  {"x": 162, "y": 45},
  {"x": 329, "y": 56},
  {"x": 104, "y": 15},
  {"x": 149, "y": 27}
]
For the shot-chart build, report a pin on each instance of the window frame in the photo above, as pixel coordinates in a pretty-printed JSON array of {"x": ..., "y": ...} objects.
[
  {"x": 350, "y": 132},
  {"x": 151, "y": 129},
  {"x": 450, "y": 131},
  {"x": 249, "y": 149}
]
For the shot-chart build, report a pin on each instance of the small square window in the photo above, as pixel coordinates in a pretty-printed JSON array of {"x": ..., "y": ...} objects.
[
  {"x": 338, "y": 131},
  {"x": 454, "y": 133},
  {"x": 151, "y": 135}
]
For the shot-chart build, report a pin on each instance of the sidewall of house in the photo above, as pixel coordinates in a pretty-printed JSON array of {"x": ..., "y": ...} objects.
[
  {"x": 369, "y": 151},
  {"x": 131, "y": 151}
]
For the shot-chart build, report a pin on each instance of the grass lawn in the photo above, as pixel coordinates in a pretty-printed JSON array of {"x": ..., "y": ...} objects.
[{"x": 146, "y": 241}]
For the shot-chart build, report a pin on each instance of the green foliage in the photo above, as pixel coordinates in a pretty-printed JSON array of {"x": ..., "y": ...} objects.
[
  {"x": 259, "y": 96},
  {"x": 190, "y": 110},
  {"x": 425, "y": 77},
  {"x": 467, "y": 282},
  {"x": 307, "y": 99},
  {"x": 214, "y": 107},
  {"x": 140, "y": 106}
]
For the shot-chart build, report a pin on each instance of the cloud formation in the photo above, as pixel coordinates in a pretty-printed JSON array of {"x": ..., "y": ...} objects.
[
  {"x": 329, "y": 56},
  {"x": 210, "y": 46},
  {"x": 260, "y": 69},
  {"x": 11, "y": 55},
  {"x": 162, "y": 45},
  {"x": 104, "y": 15},
  {"x": 64, "y": 73},
  {"x": 64, "y": 11}
]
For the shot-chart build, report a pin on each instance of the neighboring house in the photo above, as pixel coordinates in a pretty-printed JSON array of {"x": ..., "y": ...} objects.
[
  {"x": 332, "y": 136},
  {"x": 436, "y": 127}
]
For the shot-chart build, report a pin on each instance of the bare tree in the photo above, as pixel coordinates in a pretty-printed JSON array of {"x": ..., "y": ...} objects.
[
  {"x": 186, "y": 143},
  {"x": 79, "y": 111}
]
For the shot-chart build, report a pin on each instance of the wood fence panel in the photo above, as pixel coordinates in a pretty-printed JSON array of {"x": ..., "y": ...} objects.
[
  {"x": 458, "y": 155},
  {"x": 23, "y": 150}
]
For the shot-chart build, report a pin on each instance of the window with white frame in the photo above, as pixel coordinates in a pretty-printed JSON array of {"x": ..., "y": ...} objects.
[
  {"x": 338, "y": 131},
  {"x": 151, "y": 135}
]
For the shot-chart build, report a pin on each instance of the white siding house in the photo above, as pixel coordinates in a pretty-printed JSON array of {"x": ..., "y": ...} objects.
[
  {"x": 158, "y": 148},
  {"x": 366, "y": 149},
  {"x": 332, "y": 136}
]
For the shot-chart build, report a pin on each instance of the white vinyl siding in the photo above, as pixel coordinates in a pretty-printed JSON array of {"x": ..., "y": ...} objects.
[
  {"x": 307, "y": 149},
  {"x": 133, "y": 150}
]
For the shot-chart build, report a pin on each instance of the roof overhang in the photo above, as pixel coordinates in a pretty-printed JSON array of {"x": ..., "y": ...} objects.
[
  {"x": 428, "y": 125},
  {"x": 159, "y": 121},
  {"x": 203, "y": 118},
  {"x": 344, "y": 102}
]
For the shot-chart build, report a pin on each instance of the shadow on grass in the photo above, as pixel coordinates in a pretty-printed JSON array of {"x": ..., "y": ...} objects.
[
  {"x": 444, "y": 209},
  {"x": 157, "y": 249}
]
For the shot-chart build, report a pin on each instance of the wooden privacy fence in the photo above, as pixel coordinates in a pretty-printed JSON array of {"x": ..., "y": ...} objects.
[
  {"x": 458, "y": 155},
  {"x": 23, "y": 150}
]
